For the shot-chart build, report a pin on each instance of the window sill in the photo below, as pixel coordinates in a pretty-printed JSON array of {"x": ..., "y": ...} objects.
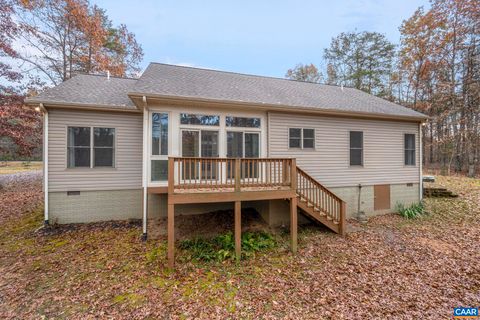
[{"x": 94, "y": 169}]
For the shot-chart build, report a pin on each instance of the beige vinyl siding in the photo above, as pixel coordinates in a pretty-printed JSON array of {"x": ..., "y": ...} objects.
[
  {"x": 329, "y": 162},
  {"x": 127, "y": 173}
]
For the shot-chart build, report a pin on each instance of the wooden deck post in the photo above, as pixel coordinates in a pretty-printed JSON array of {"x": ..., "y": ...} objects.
[
  {"x": 293, "y": 223},
  {"x": 238, "y": 230},
  {"x": 293, "y": 174},
  {"x": 171, "y": 236},
  {"x": 342, "y": 223},
  {"x": 171, "y": 215}
]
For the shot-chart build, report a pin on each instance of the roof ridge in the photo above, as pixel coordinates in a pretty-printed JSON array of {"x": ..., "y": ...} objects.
[
  {"x": 252, "y": 75},
  {"x": 101, "y": 75}
]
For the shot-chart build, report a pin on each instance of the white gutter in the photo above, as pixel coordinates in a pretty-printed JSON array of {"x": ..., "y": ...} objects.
[
  {"x": 145, "y": 168},
  {"x": 45, "y": 162},
  {"x": 420, "y": 137}
]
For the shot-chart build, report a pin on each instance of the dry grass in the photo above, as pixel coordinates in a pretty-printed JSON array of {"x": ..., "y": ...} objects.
[
  {"x": 9, "y": 167},
  {"x": 390, "y": 268}
]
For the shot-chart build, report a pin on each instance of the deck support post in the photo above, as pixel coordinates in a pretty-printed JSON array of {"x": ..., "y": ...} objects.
[
  {"x": 342, "y": 223},
  {"x": 171, "y": 215},
  {"x": 293, "y": 224},
  {"x": 238, "y": 230},
  {"x": 171, "y": 236}
]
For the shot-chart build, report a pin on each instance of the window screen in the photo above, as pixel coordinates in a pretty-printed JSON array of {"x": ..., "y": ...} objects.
[
  {"x": 295, "y": 138},
  {"x": 356, "y": 148},
  {"x": 301, "y": 138},
  {"x": 409, "y": 149},
  {"x": 308, "y": 138},
  {"x": 103, "y": 147},
  {"x": 78, "y": 147}
]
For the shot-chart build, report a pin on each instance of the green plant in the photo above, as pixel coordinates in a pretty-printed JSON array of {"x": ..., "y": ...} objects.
[
  {"x": 411, "y": 212},
  {"x": 222, "y": 247}
]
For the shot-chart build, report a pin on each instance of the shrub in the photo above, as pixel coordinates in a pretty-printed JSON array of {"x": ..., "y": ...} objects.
[
  {"x": 222, "y": 247},
  {"x": 411, "y": 212}
]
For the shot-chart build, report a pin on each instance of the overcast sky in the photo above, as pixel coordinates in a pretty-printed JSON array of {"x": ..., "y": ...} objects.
[{"x": 259, "y": 37}]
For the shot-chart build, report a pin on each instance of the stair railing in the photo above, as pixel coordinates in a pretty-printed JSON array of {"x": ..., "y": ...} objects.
[{"x": 320, "y": 199}]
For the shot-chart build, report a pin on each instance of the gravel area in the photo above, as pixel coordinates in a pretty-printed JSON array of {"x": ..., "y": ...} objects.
[{"x": 26, "y": 176}]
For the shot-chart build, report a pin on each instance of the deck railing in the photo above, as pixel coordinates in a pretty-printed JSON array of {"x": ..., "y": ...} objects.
[{"x": 229, "y": 174}]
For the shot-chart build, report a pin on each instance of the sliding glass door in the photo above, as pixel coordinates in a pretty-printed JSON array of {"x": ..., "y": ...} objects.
[
  {"x": 200, "y": 143},
  {"x": 243, "y": 145}
]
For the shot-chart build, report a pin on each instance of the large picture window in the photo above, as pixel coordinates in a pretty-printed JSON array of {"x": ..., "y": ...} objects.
[
  {"x": 85, "y": 150},
  {"x": 159, "y": 134},
  {"x": 356, "y": 148},
  {"x": 409, "y": 145}
]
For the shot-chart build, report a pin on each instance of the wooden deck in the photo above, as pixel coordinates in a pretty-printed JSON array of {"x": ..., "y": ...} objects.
[{"x": 208, "y": 180}]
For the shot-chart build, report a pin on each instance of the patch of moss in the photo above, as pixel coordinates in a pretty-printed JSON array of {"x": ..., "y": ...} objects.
[{"x": 132, "y": 299}]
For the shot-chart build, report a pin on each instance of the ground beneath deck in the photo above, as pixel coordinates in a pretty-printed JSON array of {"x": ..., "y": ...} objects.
[{"x": 206, "y": 225}]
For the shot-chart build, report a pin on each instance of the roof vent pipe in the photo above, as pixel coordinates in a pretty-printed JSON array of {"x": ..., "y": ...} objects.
[{"x": 108, "y": 74}]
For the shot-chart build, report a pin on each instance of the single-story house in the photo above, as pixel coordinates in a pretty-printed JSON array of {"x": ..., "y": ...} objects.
[{"x": 182, "y": 140}]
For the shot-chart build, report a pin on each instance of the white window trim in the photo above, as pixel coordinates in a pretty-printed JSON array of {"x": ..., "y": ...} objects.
[
  {"x": 92, "y": 149},
  {"x": 301, "y": 139}
]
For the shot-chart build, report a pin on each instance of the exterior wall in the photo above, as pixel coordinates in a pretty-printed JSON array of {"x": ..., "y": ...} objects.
[
  {"x": 127, "y": 173},
  {"x": 329, "y": 161},
  {"x": 398, "y": 193},
  {"x": 92, "y": 206},
  {"x": 116, "y": 194}
]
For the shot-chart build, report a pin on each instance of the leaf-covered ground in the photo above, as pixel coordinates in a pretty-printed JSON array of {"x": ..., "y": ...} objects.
[
  {"x": 389, "y": 268},
  {"x": 9, "y": 167}
]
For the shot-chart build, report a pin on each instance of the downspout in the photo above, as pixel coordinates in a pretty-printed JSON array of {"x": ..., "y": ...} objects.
[
  {"x": 45, "y": 162},
  {"x": 145, "y": 168},
  {"x": 420, "y": 137},
  {"x": 268, "y": 134}
]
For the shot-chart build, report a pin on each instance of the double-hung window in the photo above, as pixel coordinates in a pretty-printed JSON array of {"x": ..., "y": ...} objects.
[
  {"x": 356, "y": 148},
  {"x": 409, "y": 146},
  {"x": 301, "y": 138},
  {"x": 90, "y": 147}
]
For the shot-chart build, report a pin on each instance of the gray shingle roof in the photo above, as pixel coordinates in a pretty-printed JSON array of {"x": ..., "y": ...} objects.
[
  {"x": 92, "y": 90},
  {"x": 187, "y": 82},
  {"x": 194, "y": 83}
]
